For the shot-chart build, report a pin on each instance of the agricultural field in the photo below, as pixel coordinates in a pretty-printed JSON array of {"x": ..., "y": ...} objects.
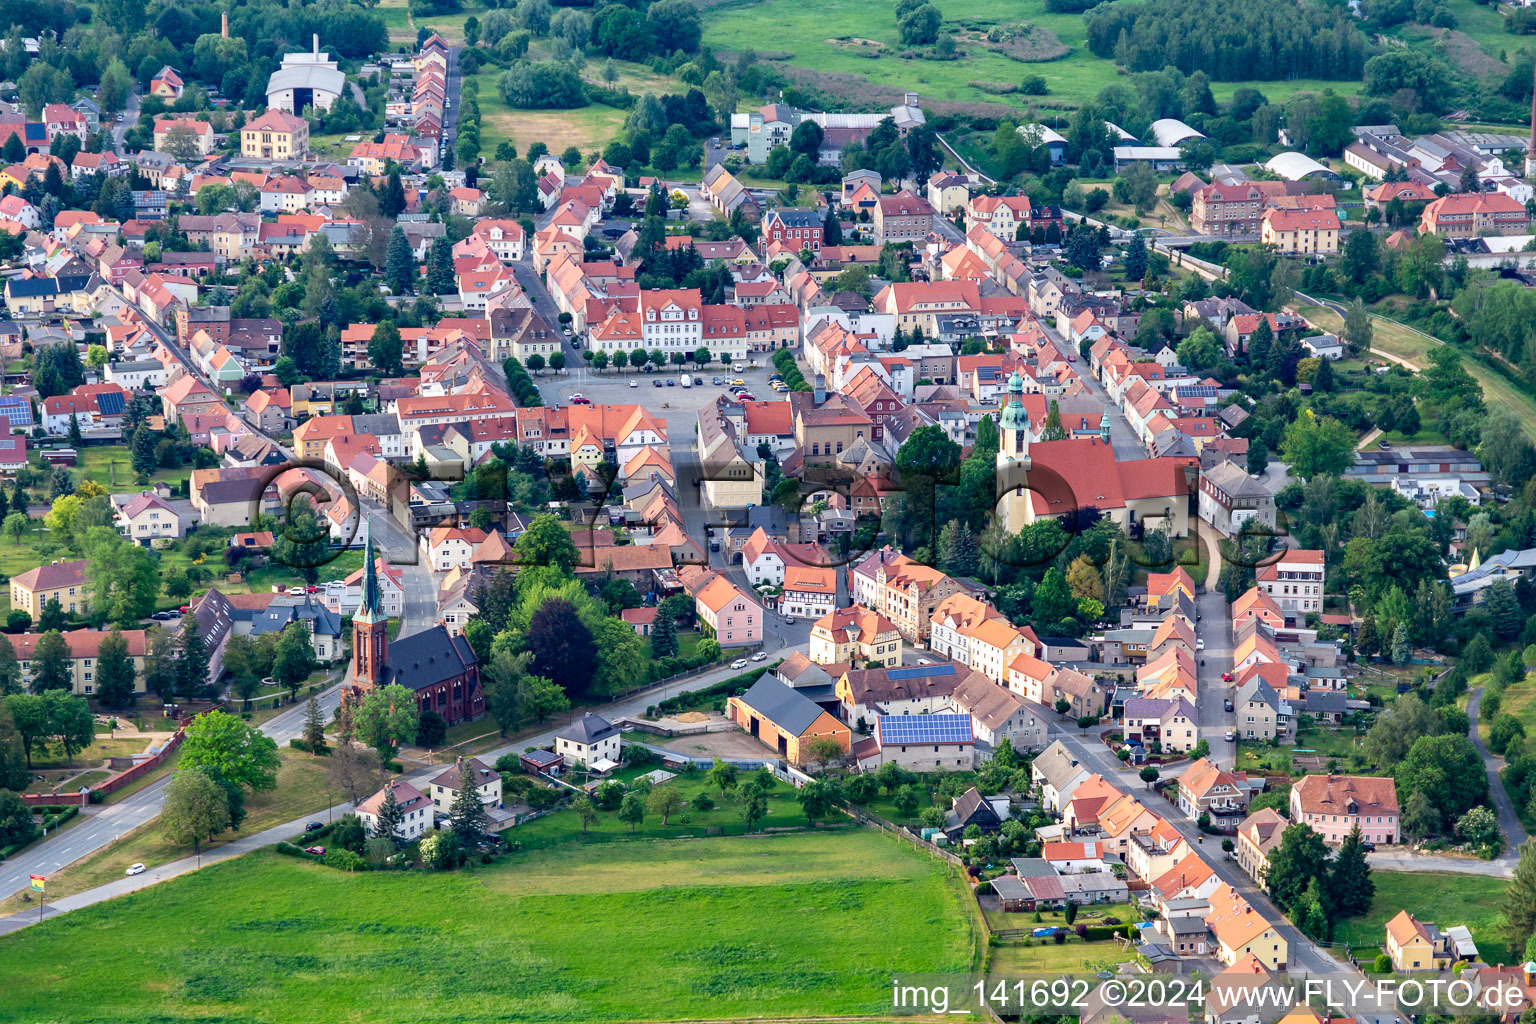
[
  {"x": 797, "y": 926},
  {"x": 821, "y": 36},
  {"x": 1444, "y": 899}
]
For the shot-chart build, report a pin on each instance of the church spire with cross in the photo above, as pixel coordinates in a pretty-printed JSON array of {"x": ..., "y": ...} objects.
[{"x": 370, "y": 626}]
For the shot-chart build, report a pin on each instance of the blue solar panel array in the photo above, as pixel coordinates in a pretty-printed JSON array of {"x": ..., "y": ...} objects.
[
  {"x": 921, "y": 671},
  {"x": 110, "y": 403},
  {"x": 17, "y": 410},
  {"x": 916, "y": 729}
]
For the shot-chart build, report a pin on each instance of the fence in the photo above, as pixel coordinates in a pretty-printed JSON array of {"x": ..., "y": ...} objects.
[{"x": 116, "y": 782}]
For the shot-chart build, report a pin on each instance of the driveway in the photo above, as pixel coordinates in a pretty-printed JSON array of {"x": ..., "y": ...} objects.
[
  {"x": 1503, "y": 867},
  {"x": 1509, "y": 821}
]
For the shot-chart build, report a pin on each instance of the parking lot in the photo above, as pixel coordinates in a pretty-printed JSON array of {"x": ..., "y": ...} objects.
[{"x": 678, "y": 404}]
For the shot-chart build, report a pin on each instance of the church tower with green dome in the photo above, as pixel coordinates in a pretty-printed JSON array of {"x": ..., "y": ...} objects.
[{"x": 1013, "y": 458}]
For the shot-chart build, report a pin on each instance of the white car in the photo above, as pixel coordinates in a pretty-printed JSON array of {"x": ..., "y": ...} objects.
[
  {"x": 1199, "y": 643},
  {"x": 135, "y": 869},
  {"x": 760, "y": 656},
  {"x": 634, "y": 384},
  {"x": 295, "y": 591},
  {"x": 1231, "y": 735},
  {"x": 739, "y": 663}
]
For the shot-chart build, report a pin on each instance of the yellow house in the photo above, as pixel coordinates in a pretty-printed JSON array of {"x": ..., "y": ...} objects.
[
  {"x": 1241, "y": 930},
  {"x": 1416, "y": 946},
  {"x": 586, "y": 450},
  {"x": 1259, "y": 833},
  {"x": 1301, "y": 231},
  {"x": 275, "y": 135},
  {"x": 84, "y": 653},
  {"x": 63, "y": 580},
  {"x": 856, "y": 634}
]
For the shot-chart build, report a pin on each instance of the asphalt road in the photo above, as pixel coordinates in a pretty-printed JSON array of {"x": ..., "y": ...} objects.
[
  {"x": 98, "y": 829},
  {"x": 1122, "y": 438},
  {"x": 130, "y": 117}
]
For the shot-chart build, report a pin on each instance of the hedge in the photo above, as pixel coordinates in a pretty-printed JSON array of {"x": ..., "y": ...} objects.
[{"x": 732, "y": 687}]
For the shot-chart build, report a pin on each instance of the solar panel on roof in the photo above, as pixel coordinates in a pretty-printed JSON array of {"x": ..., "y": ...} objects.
[
  {"x": 17, "y": 410},
  {"x": 110, "y": 403},
  {"x": 920, "y": 671},
  {"x": 925, "y": 729}
]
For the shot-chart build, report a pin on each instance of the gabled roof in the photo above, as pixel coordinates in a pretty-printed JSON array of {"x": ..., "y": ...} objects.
[{"x": 791, "y": 711}]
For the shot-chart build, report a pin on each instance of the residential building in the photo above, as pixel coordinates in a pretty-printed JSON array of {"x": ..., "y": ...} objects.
[
  {"x": 1303, "y": 232},
  {"x": 445, "y": 788},
  {"x": 1206, "y": 788},
  {"x": 275, "y": 135},
  {"x": 1230, "y": 498},
  {"x": 798, "y": 230},
  {"x": 998, "y": 715},
  {"x": 1296, "y": 582},
  {"x": 975, "y": 634},
  {"x": 920, "y": 743},
  {"x": 903, "y": 217},
  {"x": 1475, "y": 214},
  {"x": 591, "y": 741},
  {"x": 1058, "y": 774},
  {"x": 146, "y": 517},
  {"x": 1333, "y": 805},
  {"x": 856, "y": 635},
  {"x": 735, "y": 619},
  {"x": 1258, "y": 834},
  {"x": 416, "y": 810},
  {"x": 61, "y": 581},
  {"x": 1416, "y": 945},
  {"x": 1242, "y": 930},
  {"x": 84, "y": 653}
]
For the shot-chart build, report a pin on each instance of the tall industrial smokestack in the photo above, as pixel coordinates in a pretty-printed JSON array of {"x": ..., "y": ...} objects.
[{"x": 224, "y": 25}]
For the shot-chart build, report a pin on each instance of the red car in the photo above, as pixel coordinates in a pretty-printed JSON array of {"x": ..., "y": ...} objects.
[
  {"x": 1226, "y": 677},
  {"x": 580, "y": 400},
  {"x": 318, "y": 851}
]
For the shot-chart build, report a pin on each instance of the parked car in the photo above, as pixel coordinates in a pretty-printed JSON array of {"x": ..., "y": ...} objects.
[
  {"x": 1199, "y": 643},
  {"x": 745, "y": 396},
  {"x": 656, "y": 383},
  {"x": 1231, "y": 735},
  {"x": 134, "y": 869},
  {"x": 580, "y": 399},
  {"x": 716, "y": 382},
  {"x": 1226, "y": 705},
  {"x": 1226, "y": 677},
  {"x": 313, "y": 826},
  {"x": 739, "y": 663},
  {"x": 162, "y": 616},
  {"x": 671, "y": 383},
  {"x": 318, "y": 851},
  {"x": 738, "y": 382},
  {"x": 295, "y": 591},
  {"x": 634, "y": 383},
  {"x": 760, "y": 656}
]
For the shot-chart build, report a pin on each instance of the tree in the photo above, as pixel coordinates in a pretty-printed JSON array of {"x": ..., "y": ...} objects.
[
  {"x": 632, "y": 810},
  {"x": 1135, "y": 259},
  {"x": 314, "y": 726},
  {"x": 754, "y": 808},
  {"x": 385, "y": 719},
  {"x": 1149, "y": 775},
  {"x": 562, "y": 646},
  {"x": 196, "y": 808},
  {"x": 16, "y": 526},
  {"x": 293, "y": 658},
  {"x": 817, "y": 798},
  {"x": 546, "y": 541},
  {"x": 1519, "y": 901},
  {"x": 907, "y": 799},
  {"x": 114, "y": 671},
  {"x": 10, "y": 668},
  {"x": 665, "y": 801},
  {"x": 1316, "y": 445},
  {"x": 230, "y": 749},
  {"x": 1480, "y": 827},
  {"x": 440, "y": 279},
  {"x": 353, "y": 772},
  {"x": 400, "y": 265},
  {"x": 191, "y": 658},
  {"x": 471, "y": 825},
  {"x": 70, "y": 722},
  {"x": 385, "y": 348},
  {"x": 51, "y": 664},
  {"x": 919, "y": 26},
  {"x": 1350, "y": 887},
  {"x": 1448, "y": 770},
  {"x": 722, "y": 776},
  {"x": 16, "y": 825},
  {"x": 1402, "y": 650},
  {"x": 1300, "y": 858},
  {"x": 585, "y": 811},
  {"x": 390, "y": 817}
]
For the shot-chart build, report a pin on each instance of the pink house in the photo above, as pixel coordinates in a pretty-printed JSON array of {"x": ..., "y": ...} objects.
[
  {"x": 1332, "y": 805},
  {"x": 737, "y": 620}
]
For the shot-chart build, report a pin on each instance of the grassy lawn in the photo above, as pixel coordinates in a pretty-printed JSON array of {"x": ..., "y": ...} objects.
[
  {"x": 807, "y": 31},
  {"x": 588, "y": 128},
  {"x": 1072, "y": 955},
  {"x": 102, "y": 748},
  {"x": 396, "y": 15},
  {"x": 301, "y": 787},
  {"x": 112, "y": 467},
  {"x": 1341, "y": 744},
  {"x": 1444, "y": 899},
  {"x": 1093, "y": 915},
  {"x": 796, "y": 926},
  {"x": 564, "y": 827}
]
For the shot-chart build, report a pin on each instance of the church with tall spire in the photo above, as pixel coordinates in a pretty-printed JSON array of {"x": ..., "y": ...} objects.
[
  {"x": 1056, "y": 479},
  {"x": 370, "y": 626},
  {"x": 440, "y": 669}
]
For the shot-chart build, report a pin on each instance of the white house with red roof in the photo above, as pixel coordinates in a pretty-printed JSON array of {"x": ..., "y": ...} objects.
[
  {"x": 62, "y": 119},
  {"x": 504, "y": 238},
  {"x": 93, "y": 406},
  {"x": 145, "y": 517},
  {"x": 18, "y": 211}
]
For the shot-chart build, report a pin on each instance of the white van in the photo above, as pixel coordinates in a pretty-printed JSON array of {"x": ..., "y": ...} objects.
[{"x": 687, "y": 381}]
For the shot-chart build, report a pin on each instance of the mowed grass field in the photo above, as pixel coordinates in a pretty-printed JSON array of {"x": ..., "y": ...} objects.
[
  {"x": 787, "y": 926},
  {"x": 810, "y": 31},
  {"x": 1438, "y": 897}
]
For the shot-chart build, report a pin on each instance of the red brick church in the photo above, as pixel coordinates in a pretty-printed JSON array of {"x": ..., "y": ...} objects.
[{"x": 441, "y": 669}]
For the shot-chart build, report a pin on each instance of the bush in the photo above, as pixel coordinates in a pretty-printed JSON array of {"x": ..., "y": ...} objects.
[
  {"x": 344, "y": 860},
  {"x": 299, "y": 744},
  {"x": 509, "y": 764}
]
